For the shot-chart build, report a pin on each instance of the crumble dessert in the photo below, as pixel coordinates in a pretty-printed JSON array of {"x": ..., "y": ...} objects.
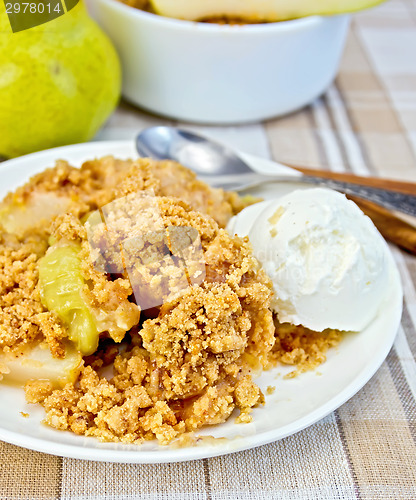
[{"x": 137, "y": 314}]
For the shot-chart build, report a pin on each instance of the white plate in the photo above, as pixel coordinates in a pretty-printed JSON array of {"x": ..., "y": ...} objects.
[{"x": 296, "y": 403}]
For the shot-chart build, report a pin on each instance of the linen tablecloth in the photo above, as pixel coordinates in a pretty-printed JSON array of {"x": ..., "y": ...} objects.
[{"x": 366, "y": 124}]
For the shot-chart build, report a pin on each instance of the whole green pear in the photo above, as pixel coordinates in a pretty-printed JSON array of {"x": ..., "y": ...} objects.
[{"x": 59, "y": 82}]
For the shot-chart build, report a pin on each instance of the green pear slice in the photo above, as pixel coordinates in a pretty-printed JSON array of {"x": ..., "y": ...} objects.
[{"x": 256, "y": 10}]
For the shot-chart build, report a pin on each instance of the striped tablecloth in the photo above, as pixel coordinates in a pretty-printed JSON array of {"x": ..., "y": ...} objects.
[{"x": 366, "y": 124}]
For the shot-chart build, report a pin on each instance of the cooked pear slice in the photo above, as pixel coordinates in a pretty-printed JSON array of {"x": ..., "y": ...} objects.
[
  {"x": 18, "y": 218},
  {"x": 256, "y": 10},
  {"x": 37, "y": 363}
]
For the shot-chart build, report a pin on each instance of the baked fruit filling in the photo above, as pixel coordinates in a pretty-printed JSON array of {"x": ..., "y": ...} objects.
[{"x": 126, "y": 308}]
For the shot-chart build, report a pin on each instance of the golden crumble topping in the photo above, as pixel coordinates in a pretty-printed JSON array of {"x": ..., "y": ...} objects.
[
  {"x": 22, "y": 317},
  {"x": 302, "y": 348},
  {"x": 167, "y": 315}
]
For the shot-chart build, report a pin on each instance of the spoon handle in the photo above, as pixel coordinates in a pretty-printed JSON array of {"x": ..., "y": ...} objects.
[
  {"x": 393, "y": 200},
  {"x": 380, "y": 182}
]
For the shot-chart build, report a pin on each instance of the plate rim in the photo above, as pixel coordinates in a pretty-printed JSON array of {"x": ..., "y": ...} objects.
[{"x": 169, "y": 454}]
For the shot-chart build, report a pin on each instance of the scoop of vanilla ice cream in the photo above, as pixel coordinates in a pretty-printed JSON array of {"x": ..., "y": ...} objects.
[{"x": 326, "y": 259}]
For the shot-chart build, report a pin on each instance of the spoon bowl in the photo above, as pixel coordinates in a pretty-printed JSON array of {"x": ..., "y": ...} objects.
[{"x": 204, "y": 156}]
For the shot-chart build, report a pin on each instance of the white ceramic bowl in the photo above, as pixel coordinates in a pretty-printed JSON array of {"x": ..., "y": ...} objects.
[{"x": 210, "y": 73}]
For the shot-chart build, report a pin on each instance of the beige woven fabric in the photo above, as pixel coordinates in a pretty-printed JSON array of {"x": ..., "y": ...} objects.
[
  {"x": 27, "y": 474},
  {"x": 365, "y": 123}
]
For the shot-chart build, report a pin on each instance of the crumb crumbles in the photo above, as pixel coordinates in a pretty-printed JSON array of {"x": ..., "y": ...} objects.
[{"x": 156, "y": 372}]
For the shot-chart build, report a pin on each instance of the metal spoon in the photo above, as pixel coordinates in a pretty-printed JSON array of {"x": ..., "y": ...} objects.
[{"x": 222, "y": 167}]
